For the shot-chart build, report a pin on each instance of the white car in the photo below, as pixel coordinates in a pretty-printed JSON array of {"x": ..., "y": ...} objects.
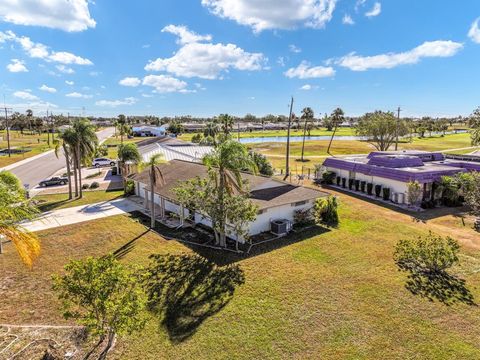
[{"x": 103, "y": 162}]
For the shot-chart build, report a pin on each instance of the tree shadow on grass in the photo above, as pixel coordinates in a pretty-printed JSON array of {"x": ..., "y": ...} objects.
[
  {"x": 125, "y": 249},
  {"x": 184, "y": 290},
  {"x": 443, "y": 287}
]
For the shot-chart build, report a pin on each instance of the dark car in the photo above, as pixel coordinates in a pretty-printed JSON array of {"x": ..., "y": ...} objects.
[{"x": 54, "y": 181}]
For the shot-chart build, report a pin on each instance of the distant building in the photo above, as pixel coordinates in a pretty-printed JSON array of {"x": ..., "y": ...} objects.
[
  {"x": 172, "y": 149},
  {"x": 394, "y": 169},
  {"x": 147, "y": 130}
]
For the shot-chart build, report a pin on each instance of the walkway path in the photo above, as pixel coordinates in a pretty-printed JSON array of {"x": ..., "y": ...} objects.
[{"x": 77, "y": 214}]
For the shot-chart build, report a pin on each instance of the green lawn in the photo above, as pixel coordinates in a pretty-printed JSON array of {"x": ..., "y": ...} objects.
[
  {"x": 112, "y": 151},
  {"x": 322, "y": 295},
  {"x": 35, "y": 144},
  {"x": 60, "y": 201}
]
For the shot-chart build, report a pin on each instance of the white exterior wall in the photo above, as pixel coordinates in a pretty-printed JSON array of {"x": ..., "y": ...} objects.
[{"x": 394, "y": 185}]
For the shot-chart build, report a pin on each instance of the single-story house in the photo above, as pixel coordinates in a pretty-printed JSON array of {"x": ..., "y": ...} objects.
[
  {"x": 147, "y": 130},
  {"x": 277, "y": 201},
  {"x": 395, "y": 169}
]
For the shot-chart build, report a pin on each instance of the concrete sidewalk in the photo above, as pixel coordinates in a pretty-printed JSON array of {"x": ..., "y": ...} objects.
[{"x": 77, "y": 214}]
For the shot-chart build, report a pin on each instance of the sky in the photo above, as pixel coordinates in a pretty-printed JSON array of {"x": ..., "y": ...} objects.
[{"x": 206, "y": 57}]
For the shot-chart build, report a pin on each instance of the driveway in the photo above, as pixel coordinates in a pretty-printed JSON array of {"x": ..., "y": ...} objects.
[{"x": 77, "y": 214}]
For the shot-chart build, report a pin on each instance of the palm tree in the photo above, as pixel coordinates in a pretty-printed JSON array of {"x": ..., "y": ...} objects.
[
  {"x": 15, "y": 207},
  {"x": 226, "y": 123},
  {"x": 123, "y": 129},
  {"x": 226, "y": 163},
  {"x": 307, "y": 115},
  {"x": 211, "y": 129},
  {"x": 128, "y": 153},
  {"x": 337, "y": 118},
  {"x": 156, "y": 177},
  {"x": 86, "y": 142},
  {"x": 64, "y": 140}
]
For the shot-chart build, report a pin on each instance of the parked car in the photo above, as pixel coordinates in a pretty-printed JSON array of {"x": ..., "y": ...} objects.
[
  {"x": 54, "y": 181},
  {"x": 103, "y": 162}
]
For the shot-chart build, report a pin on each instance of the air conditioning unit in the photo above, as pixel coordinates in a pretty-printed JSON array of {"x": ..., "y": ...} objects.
[
  {"x": 280, "y": 226},
  {"x": 399, "y": 198}
]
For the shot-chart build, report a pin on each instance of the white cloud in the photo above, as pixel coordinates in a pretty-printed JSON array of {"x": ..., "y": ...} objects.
[
  {"x": 185, "y": 36},
  {"x": 130, "y": 81},
  {"x": 41, "y": 51},
  {"x": 207, "y": 61},
  {"x": 359, "y": 4},
  {"x": 64, "y": 57},
  {"x": 308, "y": 87},
  {"x": 305, "y": 71},
  {"x": 17, "y": 66},
  {"x": 165, "y": 84},
  {"x": 347, "y": 20},
  {"x": 78, "y": 95},
  {"x": 69, "y": 82},
  {"x": 281, "y": 61},
  {"x": 278, "y": 14},
  {"x": 25, "y": 95},
  {"x": 48, "y": 89},
  {"x": 375, "y": 11},
  {"x": 147, "y": 95},
  {"x": 115, "y": 103},
  {"x": 294, "y": 49},
  {"x": 65, "y": 69},
  {"x": 474, "y": 32},
  {"x": 68, "y": 15},
  {"x": 437, "y": 48}
]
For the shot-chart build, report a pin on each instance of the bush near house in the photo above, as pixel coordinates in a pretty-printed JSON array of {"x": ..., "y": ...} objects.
[
  {"x": 325, "y": 211},
  {"x": 339, "y": 179},
  {"x": 344, "y": 181},
  {"x": 357, "y": 185},
  {"x": 378, "y": 190},
  {"x": 129, "y": 187},
  {"x": 350, "y": 183},
  {"x": 94, "y": 185},
  {"x": 362, "y": 185},
  {"x": 386, "y": 194},
  {"x": 369, "y": 188},
  {"x": 328, "y": 177},
  {"x": 85, "y": 186},
  {"x": 303, "y": 217}
]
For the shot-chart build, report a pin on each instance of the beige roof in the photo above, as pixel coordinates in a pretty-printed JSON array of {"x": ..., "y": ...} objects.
[{"x": 265, "y": 192}]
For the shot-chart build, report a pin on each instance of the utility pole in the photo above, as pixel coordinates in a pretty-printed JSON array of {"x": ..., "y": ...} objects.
[
  {"x": 396, "y": 128},
  {"x": 287, "y": 167},
  {"x": 7, "y": 125}
]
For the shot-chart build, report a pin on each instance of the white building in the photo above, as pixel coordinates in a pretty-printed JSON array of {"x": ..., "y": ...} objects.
[
  {"x": 146, "y": 130},
  {"x": 276, "y": 200}
]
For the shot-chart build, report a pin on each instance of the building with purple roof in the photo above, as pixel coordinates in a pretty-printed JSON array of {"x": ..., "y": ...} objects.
[{"x": 394, "y": 169}]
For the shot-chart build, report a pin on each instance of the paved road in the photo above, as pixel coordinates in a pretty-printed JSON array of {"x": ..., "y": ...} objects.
[{"x": 41, "y": 168}]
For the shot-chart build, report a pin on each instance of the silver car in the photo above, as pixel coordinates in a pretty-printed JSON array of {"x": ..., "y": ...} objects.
[{"x": 98, "y": 162}]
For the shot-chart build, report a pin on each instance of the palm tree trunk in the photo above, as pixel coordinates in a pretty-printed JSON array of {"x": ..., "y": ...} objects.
[
  {"x": 303, "y": 142},
  {"x": 79, "y": 165},
  {"x": 67, "y": 160},
  {"x": 75, "y": 176},
  {"x": 152, "y": 198},
  {"x": 222, "y": 240}
]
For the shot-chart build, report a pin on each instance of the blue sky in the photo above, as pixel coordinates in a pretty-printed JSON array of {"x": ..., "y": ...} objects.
[{"x": 205, "y": 57}]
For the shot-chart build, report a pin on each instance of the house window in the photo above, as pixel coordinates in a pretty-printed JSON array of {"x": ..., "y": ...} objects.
[{"x": 300, "y": 203}]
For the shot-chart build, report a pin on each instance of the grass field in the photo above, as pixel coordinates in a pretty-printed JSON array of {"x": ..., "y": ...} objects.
[
  {"x": 25, "y": 141},
  {"x": 60, "y": 201},
  {"x": 322, "y": 295}
]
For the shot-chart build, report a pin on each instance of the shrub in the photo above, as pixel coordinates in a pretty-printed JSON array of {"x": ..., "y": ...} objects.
[
  {"x": 328, "y": 177},
  {"x": 378, "y": 190},
  {"x": 84, "y": 186},
  {"x": 414, "y": 192},
  {"x": 357, "y": 185},
  {"x": 197, "y": 138},
  {"x": 339, "y": 179},
  {"x": 129, "y": 187},
  {"x": 350, "y": 183},
  {"x": 427, "y": 204},
  {"x": 386, "y": 194},
  {"x": 369, "y": 188},
  {"x": 114, "y": 170},
  {"x": 94, "y": 185},
  {"x": 432, "y": 254},
  {"x": 362, "y": 186},
  {"x": 302, "y": 217},
  {"x": 344, "y": 181},
  {"x": 325, "y": 211}
]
